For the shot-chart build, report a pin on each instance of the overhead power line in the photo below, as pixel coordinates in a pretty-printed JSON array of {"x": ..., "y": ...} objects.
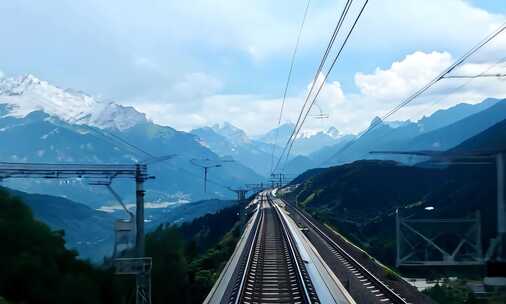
[
  {"x": 408, "y": 100},
  {"x": 323, "y": 60},
  {"x": 498, "y": 75},
  {"x": 124, "y": 141},
  {"x": 326, "y": 76},
  {"x": 455, "y": 89},
  {"x": 115, "y": 139},
  {"x": 320, "y": 67},
  {"x": 304, "y": 112},
  {"x": 289, "y": 78}
]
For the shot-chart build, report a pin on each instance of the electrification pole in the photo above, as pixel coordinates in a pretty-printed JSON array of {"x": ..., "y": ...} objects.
[
  {"x": 501, "y": 225},
  {"x": 206, "y": 164}
]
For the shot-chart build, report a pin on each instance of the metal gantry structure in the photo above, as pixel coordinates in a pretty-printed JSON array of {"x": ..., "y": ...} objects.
[
  {"x": 497, "y": 248},
  {"x": 437, "y": 242},
  {"x": 256, "y": 187},
  {"x": 278, "y": 179},
  {"x": 139, "y": 265}
]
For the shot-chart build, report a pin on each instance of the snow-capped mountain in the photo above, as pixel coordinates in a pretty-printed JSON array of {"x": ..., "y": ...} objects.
[
  {"x": 235, "y": 143},
  {"x": 26, "y": 94},
  {"x": 278, "y": 135},
  {"x": 42, "y": 123},
  {"x": 259, "y": 153},
  {"x": 333, "y": 132},
  {"x": 308, "y": 141},
  {"x": 233, "y": 134}
]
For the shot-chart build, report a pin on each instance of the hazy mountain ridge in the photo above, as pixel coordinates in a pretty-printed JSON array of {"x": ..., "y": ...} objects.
[
  {"x": 43, "y": 123},
  {"x": 251, "y": 153},
  {"x": 360, "y": 198},
  {"x": 70, "y": 126},
  {"x": 451, "y": 135},
  {"x": 324, "y": 147},
  {"x": 90, "y": 231},
  {"x": 308, "y": 141},
  {"x": 260, "y": 152},
  {"x": 444, "y": 129}
]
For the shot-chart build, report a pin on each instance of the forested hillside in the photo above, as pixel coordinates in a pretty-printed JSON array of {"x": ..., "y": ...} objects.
[
  {"x": 188, "y": 259},
  {"x": 35, "y": 266},
  {"x": 360, "y": 199}
]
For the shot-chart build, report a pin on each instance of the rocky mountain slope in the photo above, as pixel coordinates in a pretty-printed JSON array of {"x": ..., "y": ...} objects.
[{"x": 43, "y": 123}]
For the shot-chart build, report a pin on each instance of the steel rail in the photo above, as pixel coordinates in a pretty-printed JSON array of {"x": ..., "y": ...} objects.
[
  {"x": 264, "y": 252},
  {"x": 293, "y": 251},
  {"x": 238, "y": 294},
  {"x": 387, "y": 291}
]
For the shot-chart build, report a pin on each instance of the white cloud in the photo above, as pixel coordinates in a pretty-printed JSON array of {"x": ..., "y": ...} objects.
[
  {"x": 403, "y": 77},
  {"x": 2, "y": 74},
  {"x": 385, "y": 88},
  {"x": 255, "y": 113},
  {"x": 164, "y": 56},
  {"x": 264, "y": 33},
  {"x": 196, "y": 86},
  {"x": 198, "y": 103},
  {"x": 393, "y": 25}
]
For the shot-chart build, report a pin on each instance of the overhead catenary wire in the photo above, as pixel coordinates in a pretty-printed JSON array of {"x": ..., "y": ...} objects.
[
  {"x": 318, "y": 71},
  {"x": 131, "y": 145},
  {"x": 419, "y": 92},
  {"x": 109, "y": 136},
  {"x": 484, "y": 72},
  {"x": 327, "y": 75},
  {"x": 105, "y": 134},
  {"x": 498, "y": 75},
  {"x": 289, "y": 78},
  {"x": 211, "y": 181},
  {"x": 304, "y": 113},
  {"x": 455, "y": 89},
  {"x": 323, "y": 60}
]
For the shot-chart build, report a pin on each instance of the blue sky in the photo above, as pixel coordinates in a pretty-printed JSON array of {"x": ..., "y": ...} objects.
[{"x": 193, "y": 63}]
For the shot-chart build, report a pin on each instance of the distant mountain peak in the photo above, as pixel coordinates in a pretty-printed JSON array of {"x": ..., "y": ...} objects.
[
  {"x": 287, "y": 124},
  {"x": 27, "y": 93},
  {"x": 234, "y": 134},
  {"x": 376, "y": 121},
  {"x": 225, "y": 125},
  {"x": 333, "y": 132}
]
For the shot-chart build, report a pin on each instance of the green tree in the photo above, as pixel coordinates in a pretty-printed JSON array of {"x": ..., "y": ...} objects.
[{"x": 35, "y": 266}]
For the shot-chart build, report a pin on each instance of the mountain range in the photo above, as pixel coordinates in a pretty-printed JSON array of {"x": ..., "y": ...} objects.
[
  {"x": 229, "y": 141},
  {"x": 90, "y": 232},
  {"x": 360, "y": 199},
  {"x": 40, "y": 122},
  {"x": 441, "y": 130}
]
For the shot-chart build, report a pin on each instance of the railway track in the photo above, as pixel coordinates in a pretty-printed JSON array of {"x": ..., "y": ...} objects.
[
  {"x": 273, "y": 271},
  {"x": 382, "y": 292}
]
